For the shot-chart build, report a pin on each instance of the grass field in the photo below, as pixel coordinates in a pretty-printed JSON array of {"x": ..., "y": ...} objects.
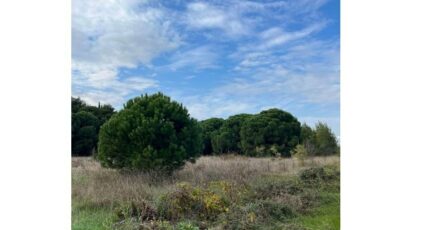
[{"x": 228, "y": 192}]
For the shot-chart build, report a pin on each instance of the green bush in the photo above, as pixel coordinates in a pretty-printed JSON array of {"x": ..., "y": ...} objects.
[{"x": 150, "y": 133}]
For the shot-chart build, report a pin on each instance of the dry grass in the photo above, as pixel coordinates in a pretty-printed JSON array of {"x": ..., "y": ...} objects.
[{"x": 94, "y": 185}]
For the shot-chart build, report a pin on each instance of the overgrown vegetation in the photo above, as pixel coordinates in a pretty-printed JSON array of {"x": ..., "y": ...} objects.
[
  {"x": 210, "y": 194},
  {"x": 153, "y": 177}
]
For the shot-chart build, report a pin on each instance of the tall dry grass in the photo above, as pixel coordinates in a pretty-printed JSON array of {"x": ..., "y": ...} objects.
[{"x": 94, "y": 185}]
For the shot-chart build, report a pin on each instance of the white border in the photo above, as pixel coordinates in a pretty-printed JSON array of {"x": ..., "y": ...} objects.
[
  {"x": 384, "y": 114},
  {"x": 35, "y": 89}
]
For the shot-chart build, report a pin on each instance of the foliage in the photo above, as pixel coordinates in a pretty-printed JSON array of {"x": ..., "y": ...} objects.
[
  {"x": 319, "y": 141},
  {"x": 191, "y": 202},
  {"x": 186, "y": 226},
  {"x": 86, "y": 122},
  {"x": 321, "y": 178},
  {"x": 325, "y": 140},
  {"x": 300, "y": 153},
  {"x": 209, "y": 128},
  {"x": 84, "y": 132},
  {"x": 150, "y": 133},
  {"x": 269, "y": 133},
  {"x": 308, "y": 139},
  {"x": 227, "y": 138}
]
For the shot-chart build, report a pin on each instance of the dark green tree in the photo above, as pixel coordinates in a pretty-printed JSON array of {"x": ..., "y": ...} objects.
[
  {"x": 209, "y": 128},
  {"x": 150, "y": 133},
  {"x": 227, "y": 138},
  {"x": 271, "y": 132},
  {"x": 326, "y": 142},
  {"x": 77, "y": 105},
  {"x": 84, "y": 133},
  {"x": 83, "y": 143},
  {"x": 102, "y": 112}
]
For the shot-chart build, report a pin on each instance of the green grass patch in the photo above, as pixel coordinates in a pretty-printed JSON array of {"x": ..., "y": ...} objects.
[
  {"x": 91, "y": 218},
  {"x": 324, "y": 217}
]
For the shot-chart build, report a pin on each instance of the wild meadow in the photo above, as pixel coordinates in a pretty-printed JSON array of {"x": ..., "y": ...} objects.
[{"x": 215, "y": 192}]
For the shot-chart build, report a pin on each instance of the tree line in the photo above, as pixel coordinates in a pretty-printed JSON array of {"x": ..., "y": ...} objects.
[
  {"x": 155, "y": 132},
  {"x": 272, "y": 132}
]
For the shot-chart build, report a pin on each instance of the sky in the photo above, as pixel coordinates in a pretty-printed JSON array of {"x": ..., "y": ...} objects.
[{"x": 218, "y": 58}]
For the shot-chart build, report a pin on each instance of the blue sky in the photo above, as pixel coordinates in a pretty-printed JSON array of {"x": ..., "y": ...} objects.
[{"x": 218, "y": 58}]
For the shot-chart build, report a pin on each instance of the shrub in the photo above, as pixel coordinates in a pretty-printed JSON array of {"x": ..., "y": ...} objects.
[
  {"x": 300, "y": 153},
  {"x": 142, "y": 210},
  {"x": 273, "y": 186},
  {"x": 258, "y": 214},
  {"x": 191, "y": 202},
  {"x": 328, "y": 176},
  {"x": 150, "y": 133}
]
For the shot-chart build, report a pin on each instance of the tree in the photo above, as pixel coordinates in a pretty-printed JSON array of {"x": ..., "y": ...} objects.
[
  {"x": 209, "y": 128},
  {"x": 270, "y": 132},
  {"x": 308, "y": 139},
  {"x": 227, "y": 138},
  {"x": 84, "y": 142},
  {"x": 102, "y": 112},
  {"x": 84, "y": 133},
  {"x": 326, "y": 142},
  {"x": 77, "y": 105},
  {"x": 150, "y": 133}
]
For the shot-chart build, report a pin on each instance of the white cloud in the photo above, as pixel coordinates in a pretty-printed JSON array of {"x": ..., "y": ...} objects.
[
  {"x": 113, "y": 91},
  {"x": 202, "y": 15},
  {"x": 276, "y": 36},
  {"x": 108, "y": 35}
]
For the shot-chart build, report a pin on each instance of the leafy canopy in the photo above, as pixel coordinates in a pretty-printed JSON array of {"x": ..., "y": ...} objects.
[
  {"x": 271, "y": 132},
  {"x": 150, "y": 133},
  {"x": 209, "y": 128},
  {"x": 227, "y": 138}
]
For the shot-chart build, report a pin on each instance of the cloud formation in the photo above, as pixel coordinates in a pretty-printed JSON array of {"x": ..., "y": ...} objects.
[
  {"x": 109, "y": 35},
  {"x": 217, "y": 57}
]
